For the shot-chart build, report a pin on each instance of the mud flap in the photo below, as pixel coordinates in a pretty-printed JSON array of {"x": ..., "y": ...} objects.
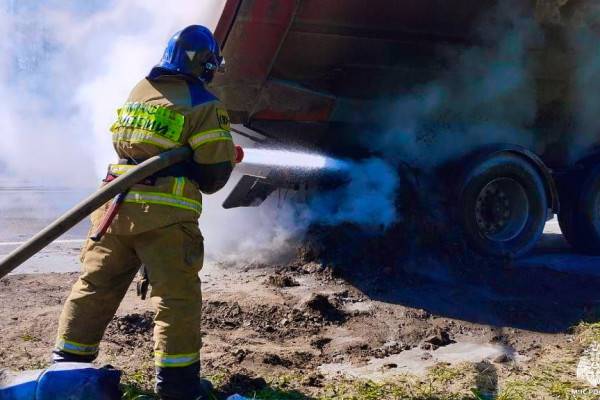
[{"x": 250, "y": 191}]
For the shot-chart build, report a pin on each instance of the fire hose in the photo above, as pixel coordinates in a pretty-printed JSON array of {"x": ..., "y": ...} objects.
[{"x": 115, "y": 188}]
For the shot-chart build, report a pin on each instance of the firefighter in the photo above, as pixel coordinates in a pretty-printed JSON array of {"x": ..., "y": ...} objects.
[{"x": 157, "y": 225}]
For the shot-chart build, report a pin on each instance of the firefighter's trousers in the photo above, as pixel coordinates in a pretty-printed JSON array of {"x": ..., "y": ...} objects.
[{"x": 173, "y": 256}]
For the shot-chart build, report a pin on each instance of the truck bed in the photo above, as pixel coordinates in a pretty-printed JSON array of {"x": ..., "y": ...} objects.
[{"x": 319, "y": 73}]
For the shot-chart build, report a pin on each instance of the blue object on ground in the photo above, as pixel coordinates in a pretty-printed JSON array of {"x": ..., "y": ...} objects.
[
  {"x": 237, "y": 397},
  {"x": 62, "y": 381}
]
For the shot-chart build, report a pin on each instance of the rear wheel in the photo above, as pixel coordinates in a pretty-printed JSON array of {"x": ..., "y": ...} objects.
[
  {"x": 579, "y": 216},
  {"x": 503, "y": 206}
]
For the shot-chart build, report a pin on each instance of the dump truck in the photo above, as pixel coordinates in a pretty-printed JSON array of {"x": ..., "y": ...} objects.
[{"x": 333, "y": 76}]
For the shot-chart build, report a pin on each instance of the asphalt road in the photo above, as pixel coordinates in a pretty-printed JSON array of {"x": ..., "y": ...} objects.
[{"x": 26, "y": 210}]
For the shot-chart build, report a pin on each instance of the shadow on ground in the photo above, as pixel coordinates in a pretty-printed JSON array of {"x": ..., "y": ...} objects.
[{"x": 550, "y": 291}]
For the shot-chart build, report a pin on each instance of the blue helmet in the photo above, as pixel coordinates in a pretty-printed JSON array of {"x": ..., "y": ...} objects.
[{"x": 193, "y": 52}]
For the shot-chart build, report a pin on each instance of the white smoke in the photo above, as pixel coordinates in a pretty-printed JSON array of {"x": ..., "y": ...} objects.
[
  {"x": 268, "y": 233},
  {"x": 65, "y": 68},
  {"x": 368, "y": 199},
  {"x": 273, "y": 231}
]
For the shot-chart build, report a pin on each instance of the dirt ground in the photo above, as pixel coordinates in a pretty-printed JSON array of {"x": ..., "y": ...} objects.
[{"x": 306, "y": 329}]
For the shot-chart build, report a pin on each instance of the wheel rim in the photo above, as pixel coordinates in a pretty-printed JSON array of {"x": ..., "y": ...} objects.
[{"x": 502, "y": 209}]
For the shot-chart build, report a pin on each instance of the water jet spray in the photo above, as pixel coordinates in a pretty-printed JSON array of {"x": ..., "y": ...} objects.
[{"x": 295, "y": 160}]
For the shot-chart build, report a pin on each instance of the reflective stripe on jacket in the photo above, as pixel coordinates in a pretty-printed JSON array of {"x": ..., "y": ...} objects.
[{"x": 175, "y": 198}]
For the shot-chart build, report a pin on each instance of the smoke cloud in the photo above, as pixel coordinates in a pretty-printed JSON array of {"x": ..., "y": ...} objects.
[
  {"x": 273, "y": 231},
  {"x": 65, "y": 68},
  {"x": 486, "y": 94},
  {"x": 368, "y": 199}
]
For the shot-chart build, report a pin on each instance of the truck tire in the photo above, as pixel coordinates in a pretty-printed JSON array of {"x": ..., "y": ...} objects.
[
  {"x": 503, "y": 206},
  {"x": 579, "y": 216}
]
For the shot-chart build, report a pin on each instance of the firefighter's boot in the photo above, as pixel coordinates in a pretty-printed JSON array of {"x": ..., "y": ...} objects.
[{"x": 182, "y": 383}]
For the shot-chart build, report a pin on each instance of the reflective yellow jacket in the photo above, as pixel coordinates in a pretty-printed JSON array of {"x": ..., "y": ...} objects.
[{"x": 161, "y": 114}]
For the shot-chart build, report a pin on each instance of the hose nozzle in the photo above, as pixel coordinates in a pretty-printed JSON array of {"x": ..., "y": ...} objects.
[{"x": 239, "y": 154}]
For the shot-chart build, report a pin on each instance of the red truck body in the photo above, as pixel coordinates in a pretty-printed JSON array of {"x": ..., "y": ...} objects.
[
  {"x": 304, "y": 71},
  {"x": 308, "y": 71}
]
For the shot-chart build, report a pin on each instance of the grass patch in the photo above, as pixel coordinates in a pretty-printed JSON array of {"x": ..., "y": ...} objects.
[
  {"x": 547, "y": 380},
  {"x": 132, "y": 391},
  {"x": 278, "y": 394},
  {"x": 443, "y": 373},
  {"x": 437, "y": 385},
  {"x": 392, "y": 391},
  {"x": 26, "y": 337},
  {"x": 289, "y": 387},
  {"x": 554, "y": 375},
  {"x": 587, "y": 333},
  {"x": 138, "y": 386},
  {"x": 364, "y": 390}
]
